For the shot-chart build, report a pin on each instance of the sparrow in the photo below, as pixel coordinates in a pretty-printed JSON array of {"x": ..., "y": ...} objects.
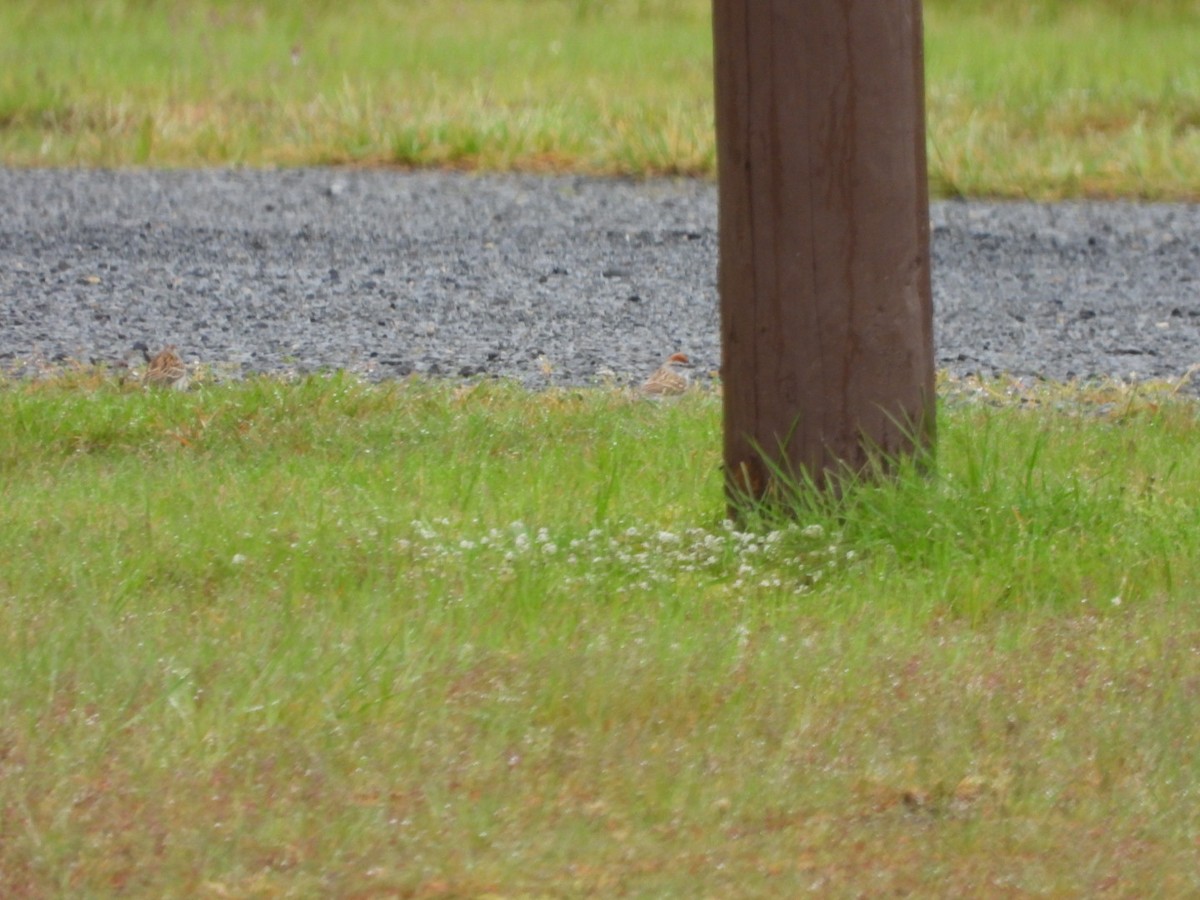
[
  {"x": 671, "y": 378},
  {"x": 165, "y": 368}
]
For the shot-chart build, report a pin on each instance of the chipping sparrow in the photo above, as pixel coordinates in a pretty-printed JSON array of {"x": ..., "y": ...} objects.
[
  {"x": 165, "y": 369},
  {"x": 671, "y": 378}
]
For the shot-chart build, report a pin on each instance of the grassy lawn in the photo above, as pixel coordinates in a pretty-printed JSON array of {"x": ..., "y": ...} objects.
[
  {"x": 327, "y": 638},
  {"x": 424, "y": 639},
  {"x": 1042, "y": 100}
]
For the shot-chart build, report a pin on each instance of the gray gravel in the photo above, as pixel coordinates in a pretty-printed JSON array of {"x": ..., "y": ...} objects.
[{"x": 559, "y": 280}]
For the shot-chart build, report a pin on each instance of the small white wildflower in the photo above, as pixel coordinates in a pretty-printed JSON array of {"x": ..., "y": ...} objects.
[
  {"x": 1116, "y": 601},
  {"x": 813, "y": 531},
  {"x": 238, "y": 559},
  {"x": 466, "y": 545},
  {"x": 549, "y": 548},
  {"x": 667, "y": 537}
]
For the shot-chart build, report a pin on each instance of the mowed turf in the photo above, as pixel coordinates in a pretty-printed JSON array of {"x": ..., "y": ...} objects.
[
  {"x": 416, "y": 639},
  {"x": 1050, "y": 100},
  {"x": 325, "y": 638}
]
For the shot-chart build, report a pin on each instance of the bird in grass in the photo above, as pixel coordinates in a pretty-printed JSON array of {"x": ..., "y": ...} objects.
[
  {"x": 165, "y": 368},
  {"x": 671, "y": 378}
]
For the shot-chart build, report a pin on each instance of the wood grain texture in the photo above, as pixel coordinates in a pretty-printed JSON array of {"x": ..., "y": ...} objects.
[{"x": 826, "y": 309}]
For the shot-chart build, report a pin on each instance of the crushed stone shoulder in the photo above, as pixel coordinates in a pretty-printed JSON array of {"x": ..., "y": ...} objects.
[{"x": 548, "y": 280}]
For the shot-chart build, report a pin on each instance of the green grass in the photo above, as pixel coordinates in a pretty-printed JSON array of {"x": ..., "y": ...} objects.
[
  {"x": 1045, "y": 100},
  {"x": 1085, "y": 102},
  {"x": 325, "y": 638},
  {"x": 332, "y": 639}
]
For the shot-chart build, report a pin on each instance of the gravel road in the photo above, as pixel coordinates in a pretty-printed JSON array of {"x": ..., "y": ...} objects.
[{"x": 558, "y": 280}]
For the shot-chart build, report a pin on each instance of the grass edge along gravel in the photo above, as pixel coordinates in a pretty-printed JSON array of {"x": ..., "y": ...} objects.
[
  {"x": 1042, "y": 101},
  {"x": 426, "y": 637}
]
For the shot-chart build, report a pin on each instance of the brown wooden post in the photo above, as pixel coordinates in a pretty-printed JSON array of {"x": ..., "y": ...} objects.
[{"x": 826, "y": 309}]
